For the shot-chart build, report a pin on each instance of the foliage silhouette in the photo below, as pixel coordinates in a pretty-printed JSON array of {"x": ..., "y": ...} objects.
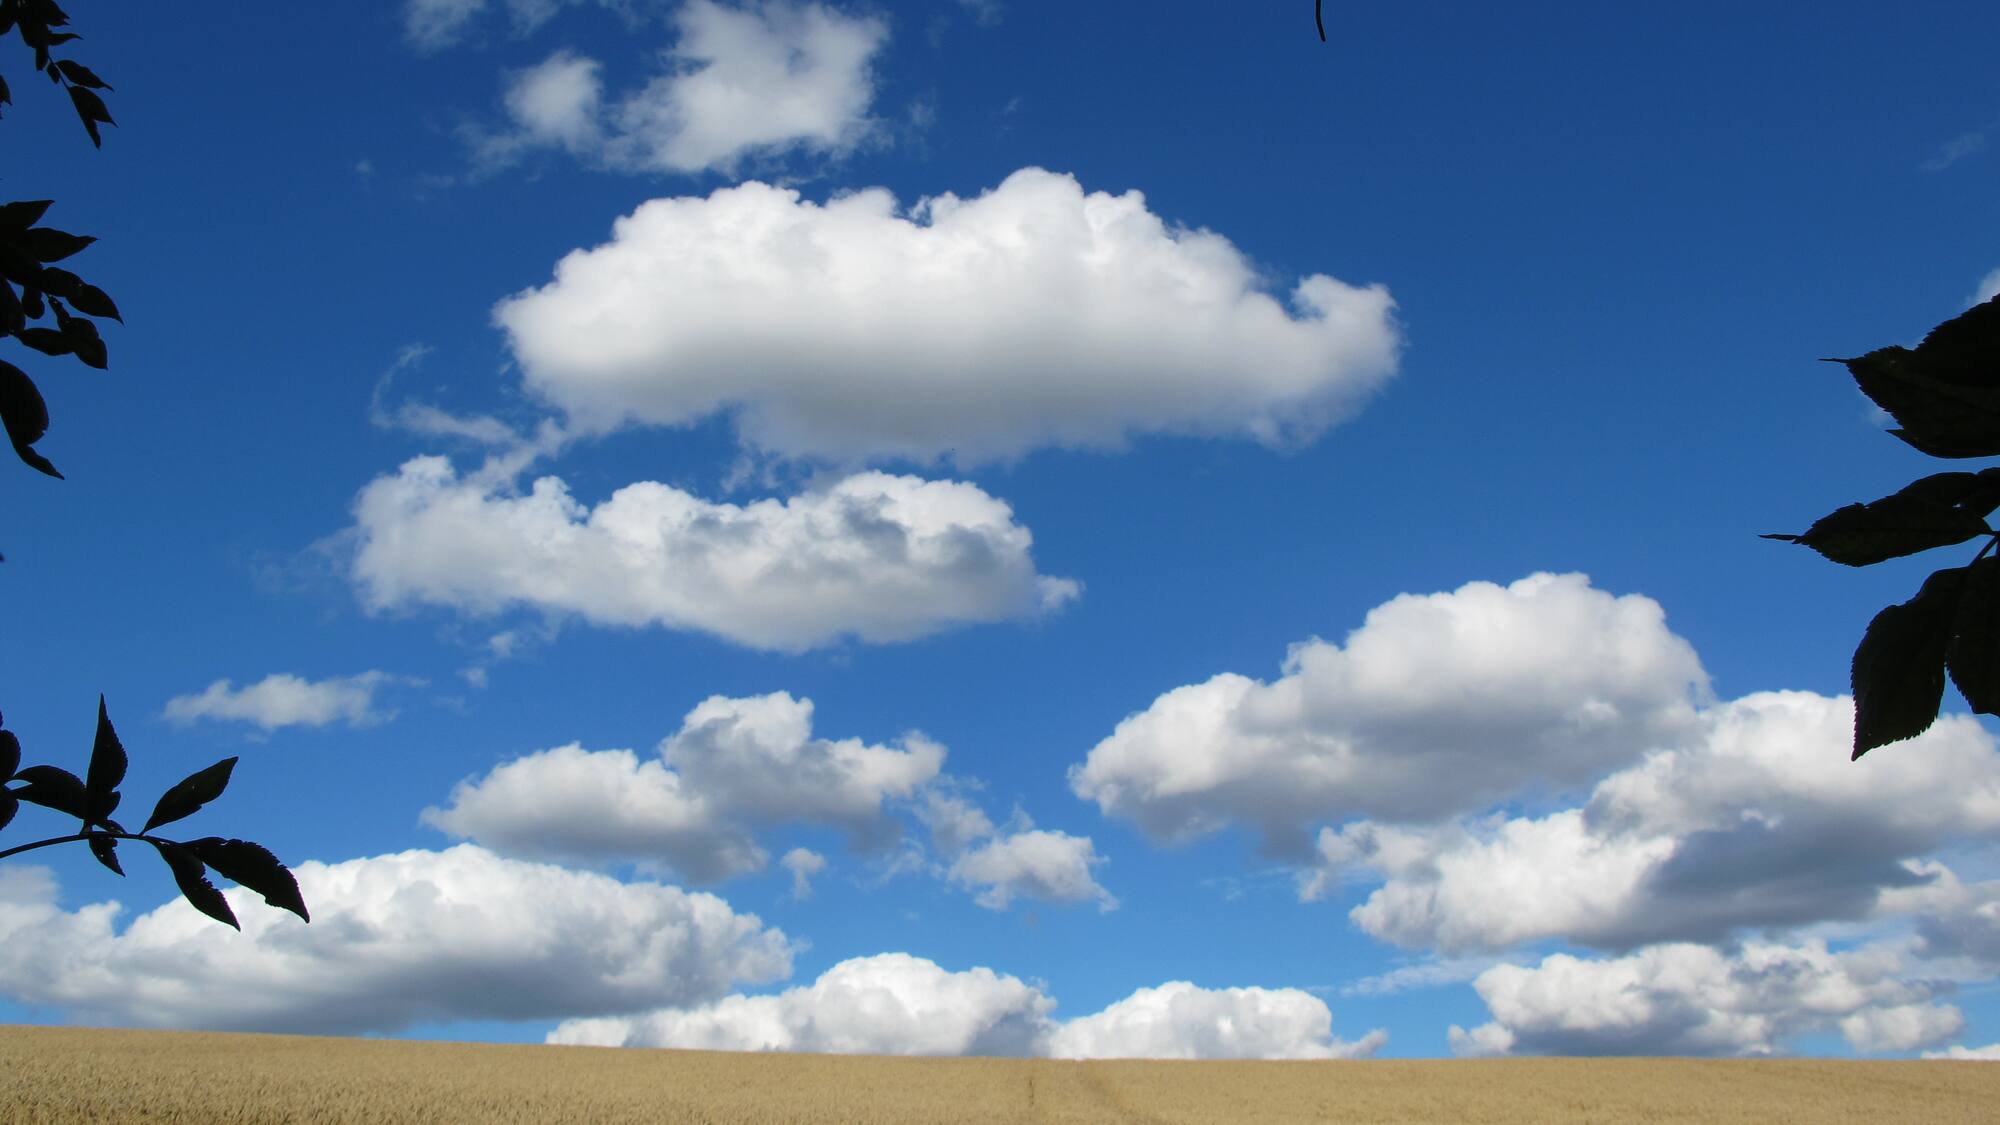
[
  {"x": 1945, "y": 397},
  {"x": 27, "y": 254}
]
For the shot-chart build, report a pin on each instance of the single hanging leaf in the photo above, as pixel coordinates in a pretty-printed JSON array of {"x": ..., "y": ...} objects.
[
  {"x": 189, "y": 794},
  {"x": 193, "y": 882},
  {"x": 253, "y": 866},
  {"x": 47, "y": 341},
  {"x": 1945, "y": 392},
  {"x": 1903, "y": 524},
  {"x": 1973, "y": 659},
  {"x": 107, "y": 760},
  {"x": 92, "y": 301},
  {"x": 106, "y": 850},
  {"x": 80, "y": 74},
  {"x": 25, "y": 415},
  {"x": 9, "y": 805},
  {"x": 52, "y": 788},
  {"x": 22, "y": 214},
  {"x": 1899, "y": 665}
]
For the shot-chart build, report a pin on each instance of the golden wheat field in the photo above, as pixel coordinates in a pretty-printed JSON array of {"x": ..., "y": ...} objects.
[{"x": 78, "y": 1074}]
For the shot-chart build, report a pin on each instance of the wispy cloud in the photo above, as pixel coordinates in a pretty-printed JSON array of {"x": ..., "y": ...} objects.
[{"x": 283, "y": 700}]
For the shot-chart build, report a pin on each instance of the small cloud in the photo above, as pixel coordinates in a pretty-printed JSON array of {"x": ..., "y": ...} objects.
[
  {"x": 1989, "y": 288},
  {"x": 1955, "y": 150},
  {"x": 430, "y": 421},
  {"x": 1045, "y": 865},
  {"x": 803, "y": 863},
  {"x": 282, "y": 700}
]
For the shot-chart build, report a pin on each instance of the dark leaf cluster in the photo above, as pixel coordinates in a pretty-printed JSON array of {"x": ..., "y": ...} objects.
[
  {"x": 1944, "y": 395},
  {"x": 45, "y": 307},
  {"x": 94, "y": 797}
]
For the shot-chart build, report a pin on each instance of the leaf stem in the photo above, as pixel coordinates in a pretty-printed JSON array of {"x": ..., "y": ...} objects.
[{"x": 79, "y": 837}]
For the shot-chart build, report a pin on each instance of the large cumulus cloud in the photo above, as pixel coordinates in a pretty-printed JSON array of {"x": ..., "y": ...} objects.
[
  {"x": 879, "y": 557},
  {"x": 1032, "y": 314},
  {"x": 1439, "y": 704},
  {"x": 398, "y": 939}
]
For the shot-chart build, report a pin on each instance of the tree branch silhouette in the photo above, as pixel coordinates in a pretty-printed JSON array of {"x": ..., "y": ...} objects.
[{"x": 27, "y": 256}]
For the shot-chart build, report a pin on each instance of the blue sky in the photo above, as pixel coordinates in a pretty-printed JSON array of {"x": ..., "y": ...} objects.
[{"x": 991, "y": 527}]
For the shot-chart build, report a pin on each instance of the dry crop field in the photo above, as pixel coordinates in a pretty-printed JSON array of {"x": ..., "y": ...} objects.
[{"x": 79, "y": 1074}]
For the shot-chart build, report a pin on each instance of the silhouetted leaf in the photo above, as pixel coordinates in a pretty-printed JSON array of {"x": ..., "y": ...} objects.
[
  {"x": 253, "y": 866},
  {"x": 80, "y": 74},
  {"x": 48, "y": 244},
  {"x": 90, "y": 109},
  {"x": 190, "y": 794},
  {"x": 108, "y": 760},
  {"x": 10, "y": 754},
  {"x": 9, "y": 805},
  {"x": 1973, "y": 659},
  {"x": 31, "y": 300},
  {"x": 25, "y": 416},
  {"x": 92, "y": 301},
  {"x": 24, "y": 213},
  {"x": 1945, "y": 392},
  {"x": 106, "y": 850},
  {"x": 47, "y": 341},
  {"x": 52, "y": 788},
  {"x": 193, "y": 882},
  {"x": 83, "y": 339},
  {"x": 1899, "y": 666},
  {"x": 1918, "y": 518}
]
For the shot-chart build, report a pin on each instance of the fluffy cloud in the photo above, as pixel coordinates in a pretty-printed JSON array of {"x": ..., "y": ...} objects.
[
  {"x": 883, "y": 558},
  {"x": 1683, "y": 999},
  {"x": 1180, "y": 1021},
  {"x": 740, "y": 81},
  {"x": 397, "y": 939},
  {"x": 803, "y": 863},
  {"x": 734, "y": 765},
  {"x": 1761, "y": 822},
  {"x": 1037, "y": 864},
  {"x": 1438, "y": 704},
  {"x": 283, "y": 700},
  {"x": 896, "y": 1004},
  {"x": 1034, "y": 314}
]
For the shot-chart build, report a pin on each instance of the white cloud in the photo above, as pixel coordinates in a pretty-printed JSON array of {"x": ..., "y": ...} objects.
[
  {"x": 896, "y": 1004},
  {"x": 396, "y": 939},
  {"x": 879, "y": 557},
  {"x": 1683, "y": 999},
  {"x": 735, "y": 765},
  {"x": 1180, "y": 1021},
  {"x": 889, "y": 1004},
  {"x": 558, "y": 101},
  {"x": 1034, "y": 314},
  {"x": 762, "y": 77},
  {"x": 1438, "y": 704},
  {"x": 432, "y": 25},
  {"x": 741, "y": 81},
  {"x": 1759, "y": 822},
  {"x": 803, "y": 863},
  {"x": 1990, "y": 1053},
  {"x": 284, "y": 700},
  {"x": 954, "y": 821},
  {"x": 1989, "y": 288},
  {"x": 1037, "y": 864}
]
